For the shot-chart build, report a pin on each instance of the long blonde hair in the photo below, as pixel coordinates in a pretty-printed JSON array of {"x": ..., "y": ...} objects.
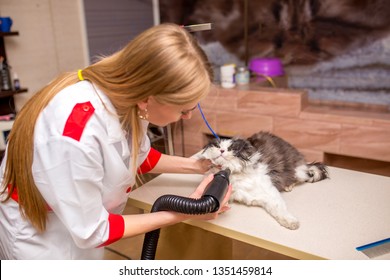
[{"x": 164, "y": 61}]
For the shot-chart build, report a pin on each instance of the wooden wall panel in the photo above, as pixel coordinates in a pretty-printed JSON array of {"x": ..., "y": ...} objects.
[
  {"x": 316, "y": 130},
  {"x": 221, "y": 99},
  {"x": 365, "y": 142},
  {"x": 269, "y": 103},
  {"x": 315, "y": 135},
  {"x": 244, "y": 125}
]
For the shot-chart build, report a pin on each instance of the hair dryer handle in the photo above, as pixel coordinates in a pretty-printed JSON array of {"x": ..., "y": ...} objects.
[{"x": 218, "y": 187}]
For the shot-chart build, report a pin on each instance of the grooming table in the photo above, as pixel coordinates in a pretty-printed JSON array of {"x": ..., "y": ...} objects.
[{"x": 336, "y": 215}]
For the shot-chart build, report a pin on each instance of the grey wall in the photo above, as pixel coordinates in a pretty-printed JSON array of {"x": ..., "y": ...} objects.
[{"x": 111, "y": 24}]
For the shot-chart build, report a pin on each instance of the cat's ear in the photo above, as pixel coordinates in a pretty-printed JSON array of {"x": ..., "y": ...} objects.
[
  {"x": 206, "y": 146},
  {"x": 199, "y": 155},
  {"x": 212, "y": 143}
]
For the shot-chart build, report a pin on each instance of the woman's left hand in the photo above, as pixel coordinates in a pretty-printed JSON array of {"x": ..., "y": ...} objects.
[{"x": 199, "y": 192}]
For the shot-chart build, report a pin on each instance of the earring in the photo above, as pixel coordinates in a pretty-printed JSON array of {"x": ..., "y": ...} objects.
[{"x": 143, "y": 115}]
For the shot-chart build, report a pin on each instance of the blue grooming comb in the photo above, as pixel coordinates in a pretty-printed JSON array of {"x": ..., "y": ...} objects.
[
  {"x": 375, "y": 249},
  {"x": 207, "y": 123}
]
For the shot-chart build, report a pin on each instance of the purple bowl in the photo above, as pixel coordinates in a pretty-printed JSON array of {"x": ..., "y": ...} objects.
[{"x": 270, "y": 67}]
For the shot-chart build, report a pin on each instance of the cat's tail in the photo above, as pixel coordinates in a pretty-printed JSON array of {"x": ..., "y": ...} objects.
[
  {"x": 317, "y": 171},
  {"x": 312, "y": 172}
]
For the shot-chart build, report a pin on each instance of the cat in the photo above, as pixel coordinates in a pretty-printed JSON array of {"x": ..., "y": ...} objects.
[
  {"x": 261, "y": 167},
  {"x": 296, "y": 31}
]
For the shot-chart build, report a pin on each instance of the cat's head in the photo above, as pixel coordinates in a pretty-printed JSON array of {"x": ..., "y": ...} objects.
[{"x": 235, "y": 154}]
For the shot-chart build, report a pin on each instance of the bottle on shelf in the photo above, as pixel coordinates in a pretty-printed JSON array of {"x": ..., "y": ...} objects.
[
  {"x": 242, "y": 75},
  {"x": 16, "y": 82},
  {"x": 5, "y": 82}
]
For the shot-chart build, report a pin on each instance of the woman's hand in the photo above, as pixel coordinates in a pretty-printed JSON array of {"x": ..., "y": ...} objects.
[
  {"x": 178, "y": 164},
  {"x": 136, "y": 224},
  {"x": 198, "y": 194},
  {"x": 206, "y": 166},
  {"x": 203, "y": 165}
]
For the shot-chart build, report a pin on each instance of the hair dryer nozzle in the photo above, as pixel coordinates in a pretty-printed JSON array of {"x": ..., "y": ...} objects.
[
  {"x": 218, "y": 187},
  {"x": 225, "y": 173}
]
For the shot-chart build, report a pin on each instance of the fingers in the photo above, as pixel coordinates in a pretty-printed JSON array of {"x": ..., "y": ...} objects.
[
  {"x": 227, "y": 195},
  {"x": 225, "y": 203},
  {"x": 202, "y": 186},
  {"x": 212, "y": 216},
  {"x": 207, "y": 165},
  {"x": 199, "y": 192},
  {"x": 224, "y": 208},
  {"x": 204, "y": 165}
]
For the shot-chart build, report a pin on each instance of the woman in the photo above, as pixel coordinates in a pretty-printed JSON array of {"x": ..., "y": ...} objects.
[{"x": 77, "y": 145}]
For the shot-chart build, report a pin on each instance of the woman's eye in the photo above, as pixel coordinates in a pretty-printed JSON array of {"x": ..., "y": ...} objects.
[{"x": 186, "y": 112}]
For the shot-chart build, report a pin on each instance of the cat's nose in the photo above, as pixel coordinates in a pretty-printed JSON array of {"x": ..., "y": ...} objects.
[{"x": 222, "y": 151}]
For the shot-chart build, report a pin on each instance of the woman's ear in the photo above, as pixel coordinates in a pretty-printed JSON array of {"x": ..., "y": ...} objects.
[{"x": 143, "y": 105}]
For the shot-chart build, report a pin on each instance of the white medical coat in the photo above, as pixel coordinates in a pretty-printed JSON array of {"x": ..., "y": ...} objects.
[{"x": 82, "y": 168}]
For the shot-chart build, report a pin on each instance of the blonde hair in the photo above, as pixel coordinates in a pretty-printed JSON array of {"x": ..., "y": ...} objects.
[{"x": 164, "y": 61}]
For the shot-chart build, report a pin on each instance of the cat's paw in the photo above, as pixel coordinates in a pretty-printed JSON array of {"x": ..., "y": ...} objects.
[
  {"x": 290, "y": 223},
  {"x": 293, "y": 225}
]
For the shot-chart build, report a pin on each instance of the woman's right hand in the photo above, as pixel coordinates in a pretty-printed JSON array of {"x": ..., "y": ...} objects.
[{"x": 136, "y": 224}]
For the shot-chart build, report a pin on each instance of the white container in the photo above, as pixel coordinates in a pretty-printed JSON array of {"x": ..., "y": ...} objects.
[
  {"x": 227, "y": 75},
  {"x": 5, "y": 128}
]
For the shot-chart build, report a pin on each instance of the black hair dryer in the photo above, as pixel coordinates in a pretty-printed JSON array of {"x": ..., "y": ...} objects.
[
  {"x": 209, "y": 202},
  {"x": 217, "y": 188}
]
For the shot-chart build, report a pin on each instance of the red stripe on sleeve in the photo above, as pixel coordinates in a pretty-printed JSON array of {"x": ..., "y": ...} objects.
[
  {"x": 116, "y": 229},
  {"x": 77, "y": 120},
  {"x": 150, "y": 161}
]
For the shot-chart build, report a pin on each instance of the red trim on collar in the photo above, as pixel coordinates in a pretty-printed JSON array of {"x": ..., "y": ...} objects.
[
  {"x": 77, "y": 120},
  {"x": 14, "y": 196},
  {"x": 150, "y": 161}
]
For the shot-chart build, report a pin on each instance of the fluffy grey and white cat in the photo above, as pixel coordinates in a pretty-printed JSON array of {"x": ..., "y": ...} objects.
[{"x": 262, "y": 166}]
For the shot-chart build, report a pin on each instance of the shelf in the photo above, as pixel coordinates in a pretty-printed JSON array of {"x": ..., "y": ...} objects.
[
  {"x": 7, "y": 93},
  {"x": 12, "y": 33},
  {"x": 7, "y": 104}
]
